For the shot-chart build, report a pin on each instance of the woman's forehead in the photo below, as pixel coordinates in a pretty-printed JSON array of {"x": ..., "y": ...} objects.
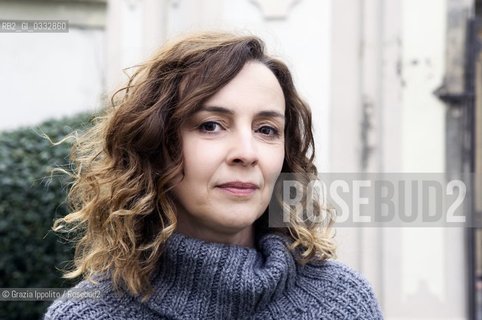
[{"x": 254, "y": 87}]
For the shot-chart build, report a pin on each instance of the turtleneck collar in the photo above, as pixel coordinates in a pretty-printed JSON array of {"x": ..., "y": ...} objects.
[{"x": 202, "y": 276}]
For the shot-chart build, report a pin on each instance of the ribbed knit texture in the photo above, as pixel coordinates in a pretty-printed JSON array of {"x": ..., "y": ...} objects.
[{"x": 203, "y": 280}]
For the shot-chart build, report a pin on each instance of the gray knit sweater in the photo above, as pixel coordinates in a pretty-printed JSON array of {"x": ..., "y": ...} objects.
[{"x": 202, "y": 280}]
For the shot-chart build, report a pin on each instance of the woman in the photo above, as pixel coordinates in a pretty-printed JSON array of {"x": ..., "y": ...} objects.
[{"x": 172, "y": 193}]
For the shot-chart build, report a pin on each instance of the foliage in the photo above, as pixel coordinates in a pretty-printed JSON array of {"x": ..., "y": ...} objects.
[{"x": 31, "y": 197}]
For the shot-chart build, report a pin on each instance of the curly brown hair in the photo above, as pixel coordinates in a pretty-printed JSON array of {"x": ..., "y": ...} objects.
[{"x": 127, "y": 163}]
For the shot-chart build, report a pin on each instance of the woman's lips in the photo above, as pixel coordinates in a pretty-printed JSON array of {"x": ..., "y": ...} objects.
[{"x": 238, "y": 188}]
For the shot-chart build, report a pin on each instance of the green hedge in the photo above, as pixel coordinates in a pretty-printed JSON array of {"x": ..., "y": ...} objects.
[{"x": 30, "y": 200}]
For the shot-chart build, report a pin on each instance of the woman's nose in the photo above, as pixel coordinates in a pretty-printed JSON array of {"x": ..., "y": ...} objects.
[{"x": 242, "y": 150}]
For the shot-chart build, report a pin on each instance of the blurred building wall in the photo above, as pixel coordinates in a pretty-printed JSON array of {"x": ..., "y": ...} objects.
[
  {"x": 49, "y": 75},
  {"x": 388, "y": 58}
]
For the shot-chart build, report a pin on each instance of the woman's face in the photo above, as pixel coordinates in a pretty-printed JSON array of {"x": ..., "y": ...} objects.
[{"x": 233, "y": 150}]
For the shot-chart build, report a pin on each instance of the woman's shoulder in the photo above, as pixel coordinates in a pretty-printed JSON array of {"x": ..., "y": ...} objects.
[
  {"x": 337, "y": 281},
  {"x": 90, "y": 300},
  {"x": 334, "y": 272}
]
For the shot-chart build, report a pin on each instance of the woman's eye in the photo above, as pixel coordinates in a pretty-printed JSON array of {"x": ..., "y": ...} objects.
[
  {"x": 210, "y": 126},
  {"x": 268, "y": 131}
]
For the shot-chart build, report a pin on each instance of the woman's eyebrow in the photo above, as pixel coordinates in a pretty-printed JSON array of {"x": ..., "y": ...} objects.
[
  {"x": 216, "y": 109},
  {"x": 223, "y": 110},
  {"x": 271, "y": 114}
]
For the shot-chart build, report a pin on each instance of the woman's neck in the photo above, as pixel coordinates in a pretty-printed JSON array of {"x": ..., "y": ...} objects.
[{"x": 243, "y": 237}]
